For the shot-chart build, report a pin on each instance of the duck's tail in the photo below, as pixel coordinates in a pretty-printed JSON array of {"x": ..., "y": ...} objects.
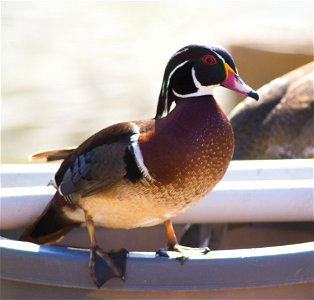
[
  {"x": 51, "y": 155},
  {"x": 51, "y": 226}
]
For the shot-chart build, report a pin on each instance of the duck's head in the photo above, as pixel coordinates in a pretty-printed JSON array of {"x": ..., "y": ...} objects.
[{"x": 195, "y": 71}]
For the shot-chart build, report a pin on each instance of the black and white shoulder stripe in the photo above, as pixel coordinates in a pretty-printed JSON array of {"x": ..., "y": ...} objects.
[{"x": 135, "y": 166}]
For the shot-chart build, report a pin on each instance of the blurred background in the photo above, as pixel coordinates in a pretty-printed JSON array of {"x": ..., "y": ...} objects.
[{"x": 70, "y": 69}]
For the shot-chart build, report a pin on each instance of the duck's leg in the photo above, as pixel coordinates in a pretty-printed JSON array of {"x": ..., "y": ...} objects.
[
  {"x": 172, "y": 238},
  {"x": 181, "y": 252},
  {"x": 96, "y": 250}
]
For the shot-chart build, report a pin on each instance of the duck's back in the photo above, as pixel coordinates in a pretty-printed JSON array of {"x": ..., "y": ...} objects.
[{"x": 281, "y": 124}]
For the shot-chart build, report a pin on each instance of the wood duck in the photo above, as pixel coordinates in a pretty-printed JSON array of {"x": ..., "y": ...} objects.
[
  {"x": 142, "y": 173},
  {"x": 280, "y": 126}
]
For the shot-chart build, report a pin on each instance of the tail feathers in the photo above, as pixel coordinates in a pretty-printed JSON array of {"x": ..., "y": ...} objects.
[
  {"x": 50, "y": 227},
  {"x": 51, "y": 155}
]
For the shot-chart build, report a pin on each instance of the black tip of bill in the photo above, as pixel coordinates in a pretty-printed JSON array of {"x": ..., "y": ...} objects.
[{"x": 253, "y": 95}]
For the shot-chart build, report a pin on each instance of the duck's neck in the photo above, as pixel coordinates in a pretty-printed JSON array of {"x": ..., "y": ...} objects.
[{"x": 194, "y": 113}]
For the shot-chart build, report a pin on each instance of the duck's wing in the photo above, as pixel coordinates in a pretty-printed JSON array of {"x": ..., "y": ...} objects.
[{"x": 102, "y": 160}]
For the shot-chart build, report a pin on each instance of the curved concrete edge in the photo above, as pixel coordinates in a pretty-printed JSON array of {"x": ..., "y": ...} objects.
[
  {"x": 15, "y": 175},
  {"x": 225, "y": 269},
  {"x": 230, "y": 202}
]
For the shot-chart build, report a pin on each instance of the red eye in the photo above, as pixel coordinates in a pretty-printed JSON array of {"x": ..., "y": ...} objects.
[{"x": 209, "y": 59}]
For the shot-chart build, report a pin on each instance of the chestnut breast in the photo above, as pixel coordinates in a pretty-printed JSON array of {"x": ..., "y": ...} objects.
[{"x": 190, "y": 149}]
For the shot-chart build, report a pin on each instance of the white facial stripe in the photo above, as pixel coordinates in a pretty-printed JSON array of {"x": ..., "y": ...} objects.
[
  {"x": 201, "y": 89},
  {"x": 220, "y": 57},
  {"x": 181, "y": 51},
  {"x": 165, "y": 87},
  {"x": 176, "y": 68},
  {"x": 138, "y": 153}
]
